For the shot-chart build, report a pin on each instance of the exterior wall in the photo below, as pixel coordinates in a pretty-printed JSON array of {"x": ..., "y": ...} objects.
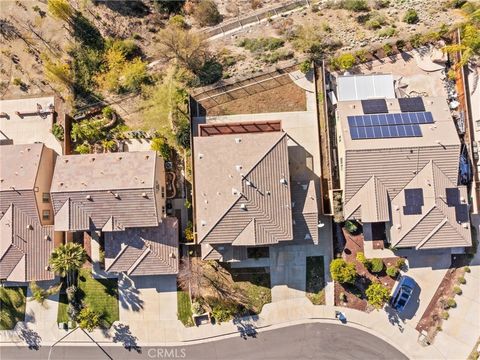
[
  {"x": 160, "y": 188},
  {"x": 43, "y": 183},
  {"x": 341, "y": 154}
]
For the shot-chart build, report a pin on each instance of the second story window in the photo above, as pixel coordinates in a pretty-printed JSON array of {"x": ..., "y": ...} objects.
[
  {"x": 163, "y": 192},
  {"x": 46, "y": 214},
  {"x": 46, "y": 197}
]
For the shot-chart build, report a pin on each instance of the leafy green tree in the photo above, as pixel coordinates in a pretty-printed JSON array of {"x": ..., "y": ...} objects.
[
  {"x": 189, "y": 49},
  {"x": 40, "y": 295},
  {"x": 134, "y": 74},
  {"x": 88, "y": 319},
  {"x": 377, "y": 295},
  {"x": 66, "y": 259},
  {"x": 161, "y": 146},
  {"x": 342, "y": 271},
  {"x": 61, "y": 9},
  {"x": 308, "y": 39},
  {"x": 207, "y": 14},
  {"x": 86, "y": 130},
  {"x": 470, "y": 45}
]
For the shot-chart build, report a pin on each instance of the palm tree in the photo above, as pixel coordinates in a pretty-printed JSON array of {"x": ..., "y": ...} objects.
[{"x": 67, "y": 259}]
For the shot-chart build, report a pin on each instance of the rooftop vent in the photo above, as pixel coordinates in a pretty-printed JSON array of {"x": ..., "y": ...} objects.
[
  {"x": 308, "y": 236},
  {"x": 60, "y": 183},
  {"x": 47, "y": 268},
  {"x": 398, "y": 226},
  {"x": 144, "y": 194},
  {"x": 29, "y": 227},
  {"x": 66, "y": 160},
  {"x": 88, "y": 197},
  {"x": 116, "y": 195},
  {"x": 46, "y": 237},
  {"x": 283, "y": 181},
  {"x": 92, "y": 159},
  {"x": 203, "y": 223},
  {"x": 171, "y": 255},
  {"x": 119, "y": 158},
  {"x": 200, "y": 156},
  {"x": 238, "y": 140},
  {"x": 465, "y": 225},
  {"x": 248, "y": 183},
  {"x": 238, "y": 167},
  {"x": 147, "y": 157},
  {"x": 234, "y": 191},
  {"x": 243, "y": 207}
]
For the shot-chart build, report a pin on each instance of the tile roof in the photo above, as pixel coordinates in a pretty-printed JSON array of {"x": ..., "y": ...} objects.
[
  {"x": 436, "y": 226},
  {"x": 243, "y": 190},
  {"x": 304, "y": 211},
  {"x": 119, "y": 171},
  {"x": 120, "y": 194},
  {"x": 25, "y": 247},
  {"x": 22, "y": 162},
  {"x": 144, "y": 251}
]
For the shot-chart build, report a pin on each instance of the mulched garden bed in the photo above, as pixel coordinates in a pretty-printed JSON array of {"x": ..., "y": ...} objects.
[
  {"x": 355, "y": 294},
  {"x": 431, "y": 321}
]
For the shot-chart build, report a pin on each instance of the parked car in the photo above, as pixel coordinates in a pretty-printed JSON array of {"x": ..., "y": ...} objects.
[{"x": 402, "y": 293}]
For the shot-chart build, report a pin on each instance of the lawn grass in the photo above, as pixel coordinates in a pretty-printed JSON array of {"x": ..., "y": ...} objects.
[
  {"x": 13, "y": 311},
  {"x": 315, "y": 284},
  {"x": 100, "y": 295},
  {"x": 184, "y": 308}
]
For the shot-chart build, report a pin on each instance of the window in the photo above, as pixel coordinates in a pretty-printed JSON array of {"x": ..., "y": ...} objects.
[
  {"x": 163, "y": 192},
  {"x": 46, "y": 197},
  {"x": 46, "y": 214}
]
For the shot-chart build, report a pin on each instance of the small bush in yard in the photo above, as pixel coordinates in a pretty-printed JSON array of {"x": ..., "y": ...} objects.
[
  {"x": 411, "y": 16},
  {"x": 392, "y": 271},
  {"x": 305, "y": 66},
  {"x": 342, "y": 271},
  {"x": 400, "y": 263},
  {"x": 377, "y": 294},
  {"x": 207, "y": 14},
  {"x": 457, "y": 290},
  {"x": 342, "y": 297},
  {"x": 351, "y": 227},
  {"x": 467, "y": 269},
  {"x": 449, "y": 303},
  {"x": 354, "y": 5},
  {"x": 361, "y": 258},
  {"x": 461, "y": 280},
  {"x": 445, "y": 315},
  {"x": 375, "y": 265}
]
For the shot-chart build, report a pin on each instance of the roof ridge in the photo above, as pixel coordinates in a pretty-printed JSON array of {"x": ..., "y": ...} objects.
[
  {"x": 120, "y": 253},
  {"x": 416, "y": 223},
  {"x": 241, "y": 196},
  {"x": 431, "y": 233},
  {"x": 137, "y": 262}
]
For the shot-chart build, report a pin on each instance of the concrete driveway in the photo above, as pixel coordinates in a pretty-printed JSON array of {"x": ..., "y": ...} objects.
[
  {"x": 427, "y": 268},
  {"x": 148, "y": 306}
]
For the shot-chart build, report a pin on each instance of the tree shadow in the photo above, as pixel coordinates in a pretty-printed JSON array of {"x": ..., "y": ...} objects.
[
  {"x": 30, "y": 337},
  {"x": 124, "y": 335},
  {"x": 245, "y": 328},
  {"x": 128, "y": 295},
  {"x": 394, "y": 318},
  {"x": 127, "y": 8}
]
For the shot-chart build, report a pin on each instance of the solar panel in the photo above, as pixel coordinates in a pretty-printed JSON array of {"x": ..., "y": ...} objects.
[
  {"x": 453, "y": 196},
  {"x": 461, "y": 213},
  {"x": 390, "y": 119},
  {"x": 374, "y": 106},
  {"x": 379, "y": 132},
  {"x": 411, "y": 104},
  {"x": 412, "y": 210},
  {"x": 414, "y": 197}
]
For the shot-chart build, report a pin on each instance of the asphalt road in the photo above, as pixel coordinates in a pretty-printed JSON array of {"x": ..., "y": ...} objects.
[{"x": 306, "y": 341}]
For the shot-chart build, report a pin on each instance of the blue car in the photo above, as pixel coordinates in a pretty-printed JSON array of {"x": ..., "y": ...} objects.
[{"x": 402, "y": 293}]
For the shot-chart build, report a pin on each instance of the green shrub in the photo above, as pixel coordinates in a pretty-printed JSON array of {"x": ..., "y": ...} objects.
[
  {"x": 88, "y": 319},
  {"x": 17, "y": 82},
  {"x": 445, "y": 315},
  {"x": 377, "y": 294},
  {"x": 400, "y": 44},
  {"x": 177, "y": 20},
  {"x": 388, "y": 49},
  {"x": 411, "y": 16},
  {"x": 83, "y": 149},
  {"x": 277, "y": 55},
  {"x": 381, "y": 4},
  {"x": 361, "y": 56},
  {"x": 344, "y": 61},
  {"x": 388, "y": 32},
  {"x": 206, "y": 13},
  {"x": 375, "y": 265},
  {"x": 161, "y": 146},
  {"x": 222, "y": 311},
  {"x": 342, "y": 297},
  {"x": 351, "y": 227},
  {"x": 305, "y": 66},
  {"x": 400, "y": 263},
  {"x": 457, "y": 4},
  {"x": 108, "y": 112},
  {"x": 461, "y": 280},
  {"x": 457, "y": 290},
  {"x": 392, "y": 271},
  {"x": 354, "y": 5},
  {"x": 58, "y": 132},
  {"x": 361, "y": 258},
  {"x": 449, "y": 303},
  {"x": 342, "y": 271},
  {"x": 467, "y": 269},
  {"x": 261, "y": 44}
]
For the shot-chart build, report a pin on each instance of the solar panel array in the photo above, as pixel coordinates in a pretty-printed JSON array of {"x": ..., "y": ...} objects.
[
  {"x": 453, "y": 200},
  {"x": 377, "y": 126},
  {"x": 374, "y": 106},
  {"x": 411, "y": 104}
]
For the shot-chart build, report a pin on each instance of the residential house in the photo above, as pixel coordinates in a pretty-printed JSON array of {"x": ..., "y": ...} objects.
[
  {"x": 245, "y": 198},
  {"x": 399, "y": 169},
  {"x": 26, "y": 213},
  {"x": 119, "y": 200}
]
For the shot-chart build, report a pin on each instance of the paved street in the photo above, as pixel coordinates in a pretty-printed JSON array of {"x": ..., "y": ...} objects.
[{"x": 306, "y": 341}]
